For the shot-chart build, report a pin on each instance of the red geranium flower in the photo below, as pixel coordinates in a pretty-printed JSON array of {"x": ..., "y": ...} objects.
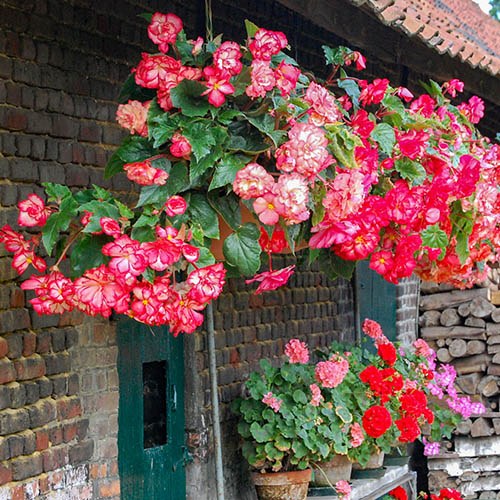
[
  {"x": 399, "y": 493},
  {"x": 376, "y": 421}
]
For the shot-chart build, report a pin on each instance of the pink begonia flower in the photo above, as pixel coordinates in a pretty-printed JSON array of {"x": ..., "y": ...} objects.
[
  {"x": 373, "y": 93},
  {"x": 252, "y": 181},
  {"x": 190, "y": 252},
  {"x": 197, "y": 45},
  {"x": 453, "y": 86},
  {"x": 273, "y": 402},
  {"x": 473, "y": 109},
  {"x": 180, "y": 147},
  {"x": 98, "y": 292},
  {"x": 324, "y": 109},
  {"x": 357, "y": 435},
  {"x": 110, "y": 227},
  {"x": 331, "y": 373},
  {"x": 206, "y": 283},
  {"x": 270, "y": 280},
  {"x": 343, "y": 489},
  {"x": 54, "y": 293},
  {"x": 218, "y": 86},
  {"x": 423, "y": 105},
  {"x": 404, "y": 93},
  {"x": 266, "y": 208},
  {"x": 286, "y": 77},
  {"x": 360, "y": 60},
  {"x": 175, "y": 205},
  {"x": 13, "y": 241},
  {"x": 227, "y": 58},
  {"x": 32, "y": 212},
  {"x": 163, "y": 30},
  {"x": 143, "y": 173},
  {"x": 267, "y": 44},
  {"x": 128, "y": 258},
  {"x": 262, "y": 79},
  {"x": 133, "y": 116},
  {"x": 316, "y": 395},
  {"x": 297, "y": 351},
  {"x": 25, "y": 258},
  {"x": 292, "y": 196},
  {"x": 155, "y": 71}
]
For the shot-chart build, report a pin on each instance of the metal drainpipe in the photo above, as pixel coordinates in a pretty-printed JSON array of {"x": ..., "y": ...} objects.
[{"x": 219, "y": 479}]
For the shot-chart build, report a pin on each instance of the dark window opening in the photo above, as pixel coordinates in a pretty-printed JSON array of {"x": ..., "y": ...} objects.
[{"x": 154, "y": 376}]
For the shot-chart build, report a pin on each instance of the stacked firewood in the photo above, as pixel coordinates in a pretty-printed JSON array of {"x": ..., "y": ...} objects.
[{"x": 463, "y": 327}]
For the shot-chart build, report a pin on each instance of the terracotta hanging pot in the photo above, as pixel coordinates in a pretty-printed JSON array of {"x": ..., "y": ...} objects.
[
  {"x": 291, "y": 485},
  {"x": 328, "y": 473},
  {"x": 225, "y": 231}
]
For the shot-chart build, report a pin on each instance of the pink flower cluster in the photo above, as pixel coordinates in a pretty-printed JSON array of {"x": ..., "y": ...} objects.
[
  {"x": 332, "y": 372},
  {"x": 120, "y": 285},
  {"x": 297, "y": 351},
  {"x": 273, "y": 402}
]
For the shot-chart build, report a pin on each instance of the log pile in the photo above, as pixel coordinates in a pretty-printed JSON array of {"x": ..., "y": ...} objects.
[{"x": 463, "y": 327}]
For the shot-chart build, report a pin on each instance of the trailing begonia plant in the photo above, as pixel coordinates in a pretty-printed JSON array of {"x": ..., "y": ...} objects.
[{"x": 240, "y": 154}]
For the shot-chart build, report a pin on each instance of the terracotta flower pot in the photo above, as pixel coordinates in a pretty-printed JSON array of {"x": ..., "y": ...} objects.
[
  {"x": 291, "y": 485},
  {"x": 373, "y": 469},
  {"x": 338, "y": 468}
]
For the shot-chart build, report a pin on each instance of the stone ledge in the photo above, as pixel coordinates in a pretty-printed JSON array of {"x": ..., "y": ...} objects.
[{"x": 371, "y": 489}]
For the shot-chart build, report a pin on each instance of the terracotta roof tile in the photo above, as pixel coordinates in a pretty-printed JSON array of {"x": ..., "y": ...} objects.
[{"x": 457, "y": 27}]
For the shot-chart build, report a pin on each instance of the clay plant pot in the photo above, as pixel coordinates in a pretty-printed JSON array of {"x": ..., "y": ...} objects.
[
  {"x": 373, "y": 469},
  {"x": 338, "y": 468},
  {"x": 291, "y": 485}
]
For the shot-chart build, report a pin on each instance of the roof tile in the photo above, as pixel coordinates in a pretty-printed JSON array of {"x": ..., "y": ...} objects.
[{"x": 457, "y": 27}]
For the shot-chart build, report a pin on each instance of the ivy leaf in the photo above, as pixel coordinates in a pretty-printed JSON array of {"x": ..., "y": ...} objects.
[
  {"x": 56, "y": 192},
  {"x": 242, "y": 249},
  {"x": 161, "y": 125},
  {"x": 334, "y": 266},
  {"x": 384, "y": 135},
  {"x": 251, "y": 28},
  {"x": 187, "y": 96},
  {"x": 411, "y": 171},
  {"x": 132, "y": 149},
  {"x": 201, "y": 212},
  {"x": 131, "y": 91},
  {"x": 226, "y": 170},
  {"x": 86, "y": 253},
  {"x": 434, "y": 237},
  {"x": 350, "y": 87},
  {"x": 228, "y": 207},
  {"x": 58, "y": 222},
  {"x": 99, "y": 209}
]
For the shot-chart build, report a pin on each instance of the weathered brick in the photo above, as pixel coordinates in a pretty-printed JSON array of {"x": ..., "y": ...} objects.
[
  {"x": 15, "y": 343},
  {"x": 58, "y": 340},
  {"x": 57, "y": 363},
  {"x": 68, "y": 407},
  {"x": 54, "y": 458},
  {"x": 42, "y": 412},
  {"x": 29, "y": 344},
  {"x": 45, "y": 387},
  {"x": 29, "y": 442},
  {"x": 12, "y": 421},
  {"x": 4, "y": 448},
  {"x": 81, "y": 452},
  {"x": 5, "y": 473},
  {"x": 4, "y": 397},
  {"x": 17, "y": 393},
  {"x": 7, "y": 371},
  {"x": 30, "y": 368},
  {"x": 43, "y": 340},
  {"x": 24, "y": 467},
  {"x": 56, "y": 435},
  {"x": 16, "y": 445},
  {"x": 73, "y": 384},
  {"x": 59, "y": 385},
  {"x": 32, "y": 392}
]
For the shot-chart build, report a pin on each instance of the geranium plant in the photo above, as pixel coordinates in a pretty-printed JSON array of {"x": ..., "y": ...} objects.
[
  {"x": 287, "y": 421},
  {"x": 348, "y": 168}
]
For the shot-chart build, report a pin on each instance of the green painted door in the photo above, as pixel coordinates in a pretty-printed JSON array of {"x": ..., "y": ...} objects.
[
  {"x": 151, "y": 413},
  {"x": 375, "y": 299}
]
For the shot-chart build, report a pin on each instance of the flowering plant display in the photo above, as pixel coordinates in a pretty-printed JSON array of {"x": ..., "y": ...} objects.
[
  {"x": 296, "y": 414},
  {"x": 350, "y": 168},
  {"x": 403, "y": 396},
  {"x": 400, "y": 493}
]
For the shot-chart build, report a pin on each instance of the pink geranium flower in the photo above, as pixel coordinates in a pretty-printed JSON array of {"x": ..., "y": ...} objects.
[
  {"x": 316, "y": 395},
  {"x": 273, "y": 402},
  {"x": 331, "y": 373},
  {"x": 270, "y": 280},
  {"x": 343, "y": 489},
  {"x": 297, "y": 351}
]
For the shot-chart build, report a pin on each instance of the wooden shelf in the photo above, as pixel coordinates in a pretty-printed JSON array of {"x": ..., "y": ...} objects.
[{"x": 371, "y": 489}]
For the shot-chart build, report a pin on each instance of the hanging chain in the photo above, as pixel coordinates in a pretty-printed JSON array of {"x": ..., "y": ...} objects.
[{"x": 208, "y": 20}]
